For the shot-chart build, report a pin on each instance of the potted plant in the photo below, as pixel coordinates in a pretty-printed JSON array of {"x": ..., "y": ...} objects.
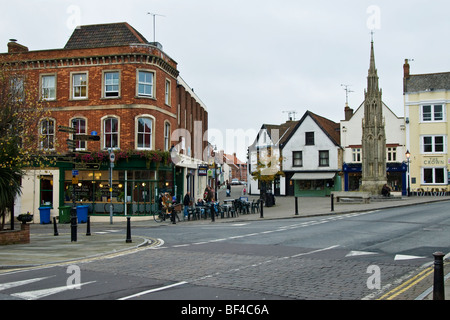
[{"x": 25, "y": 217}]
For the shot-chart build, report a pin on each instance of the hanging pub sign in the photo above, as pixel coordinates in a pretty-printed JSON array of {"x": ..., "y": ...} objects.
[{"x": 202, "y": 171}]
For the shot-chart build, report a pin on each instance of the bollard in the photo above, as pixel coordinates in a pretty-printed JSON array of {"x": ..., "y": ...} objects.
[
  {"x": 88, "y": 228},
  {"x": 213, "y": 213},
  {"x": 438, "y": 283},
  {"x": 172, "y": 217},
  {"x": 296, "y": 206},
  {"x": 262, "y": 209},
  {"x": 332, "y": 202},
  {"x": 128, "y": 231},
  {"x": 55, "y": 228},
  {"x": 73, "y": 225}
]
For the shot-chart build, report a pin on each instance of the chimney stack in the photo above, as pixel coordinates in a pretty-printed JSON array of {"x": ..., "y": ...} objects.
[
  {"x": 406, "y": 69},
  {"x": 14, "y": 47},
  {"x": 348, "y": 112}
]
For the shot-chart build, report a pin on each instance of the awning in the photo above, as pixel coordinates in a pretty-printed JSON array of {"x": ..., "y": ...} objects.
[{"x": 314, "y": 176}]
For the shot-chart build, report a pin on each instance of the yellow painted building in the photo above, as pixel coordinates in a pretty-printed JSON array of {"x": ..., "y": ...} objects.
[{"x": 427, "y": 107}]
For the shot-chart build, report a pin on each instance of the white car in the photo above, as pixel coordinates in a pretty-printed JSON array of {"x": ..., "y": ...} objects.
[{"x": 235, "y": 182}]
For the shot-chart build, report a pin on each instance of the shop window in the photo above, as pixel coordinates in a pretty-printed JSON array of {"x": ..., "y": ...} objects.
[{"x": 46, "y": 190}]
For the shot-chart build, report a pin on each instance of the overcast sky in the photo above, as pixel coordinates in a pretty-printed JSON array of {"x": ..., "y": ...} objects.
[{"x": 250, "y": 61}]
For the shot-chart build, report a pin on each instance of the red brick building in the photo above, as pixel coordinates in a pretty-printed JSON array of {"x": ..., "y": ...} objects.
[{"x": 110, "y": 81}]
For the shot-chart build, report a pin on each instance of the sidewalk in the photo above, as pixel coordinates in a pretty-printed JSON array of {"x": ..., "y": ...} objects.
[{"x": 108, "y": 239}]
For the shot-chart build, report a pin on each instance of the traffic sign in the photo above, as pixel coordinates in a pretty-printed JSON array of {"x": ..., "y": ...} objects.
[
  {"x": 71, "y": 144},
  {"x": 67, "y": 129},
  {"x": 75, "y": 173},
  {"x": 85, "y": 137}
]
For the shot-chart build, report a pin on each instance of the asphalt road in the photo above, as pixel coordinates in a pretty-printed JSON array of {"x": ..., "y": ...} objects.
[{"x": 346, "y": 257}]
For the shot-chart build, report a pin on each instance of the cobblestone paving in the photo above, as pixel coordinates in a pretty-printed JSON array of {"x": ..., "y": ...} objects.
[{"x": 307, "y": 278}]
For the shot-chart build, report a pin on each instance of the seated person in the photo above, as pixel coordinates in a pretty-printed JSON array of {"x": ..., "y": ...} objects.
[{"x": 386, "y": 191}]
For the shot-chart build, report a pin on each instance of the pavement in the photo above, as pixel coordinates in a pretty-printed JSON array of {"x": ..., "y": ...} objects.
[{"x": 106, "y": 239}]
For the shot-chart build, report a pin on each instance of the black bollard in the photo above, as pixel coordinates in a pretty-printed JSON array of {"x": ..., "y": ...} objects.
[
  {"x": 128, "y": 231},
  {"x": 172, "y": 216},
  {"x": 88, "y": 227},
  {"x": 55, "y": 228},
  {"x": 262, "y": 210},
  {"x": 213, "y": 213},
  {"x": 73, "y": 224},
  {"x": 296, "y": 206},
  {"x": 332, "y": 202},
  {"x": 438, "y": 284}
]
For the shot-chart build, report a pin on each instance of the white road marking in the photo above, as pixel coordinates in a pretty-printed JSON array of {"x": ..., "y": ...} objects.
[
  {"x": 9, "y": 285},
  {"x": 38, "y": 294},
  {"x": 359, "y": 253},
  {"x": 400, "y": 257},
  {"x": 153, "y": 290}
]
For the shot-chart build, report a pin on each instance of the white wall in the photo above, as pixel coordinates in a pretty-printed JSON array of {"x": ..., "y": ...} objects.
[
  {"x": 310, "y": 153},
  {"x": 29, "y": 200},
  {"x": 351, "y": 133}
]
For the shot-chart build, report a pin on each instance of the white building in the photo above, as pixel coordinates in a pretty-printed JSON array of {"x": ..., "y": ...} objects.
[
  {"x": 311, "y": 157},
  {"x": 351, "y": 141},
  {"x": 310, "y": 154}
]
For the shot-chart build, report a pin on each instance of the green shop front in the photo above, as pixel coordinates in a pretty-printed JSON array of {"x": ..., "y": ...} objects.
[
  {"x": 315, "y": 184},
  {"x": 137, "y": 182}
]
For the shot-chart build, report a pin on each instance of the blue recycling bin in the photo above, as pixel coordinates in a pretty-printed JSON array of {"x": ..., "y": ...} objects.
[
  {"x": 44, "y": 213},
  {"x": 82, "y": 214}
]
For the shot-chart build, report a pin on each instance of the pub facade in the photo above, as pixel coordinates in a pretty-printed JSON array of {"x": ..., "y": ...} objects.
[{"x": 114, "y": 102}]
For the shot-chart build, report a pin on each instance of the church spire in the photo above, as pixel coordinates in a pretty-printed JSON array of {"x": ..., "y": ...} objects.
[{"x": 372, "y": 79}]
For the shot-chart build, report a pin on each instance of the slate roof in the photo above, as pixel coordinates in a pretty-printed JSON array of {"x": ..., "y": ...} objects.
[
  {"x": 427, "y": 82},
  {"x": 331, "y": 128},
  {"x": 104, "y": 35},
  {"x": 286, "y": 130}
]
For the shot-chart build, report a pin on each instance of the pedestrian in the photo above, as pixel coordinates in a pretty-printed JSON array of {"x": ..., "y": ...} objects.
[
  {"x": 228, "y": 189},
  {"x": 186, "y": 203},
  {"x": 386, "y": 191}
]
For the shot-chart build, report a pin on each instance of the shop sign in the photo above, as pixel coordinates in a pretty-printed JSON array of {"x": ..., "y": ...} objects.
[
  {"x": 202, "y": 171},
  {"x": 434, "y": 161}
]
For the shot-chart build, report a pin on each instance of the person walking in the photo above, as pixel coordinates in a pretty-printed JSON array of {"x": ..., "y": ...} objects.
[{"x": 187, "y": 203}]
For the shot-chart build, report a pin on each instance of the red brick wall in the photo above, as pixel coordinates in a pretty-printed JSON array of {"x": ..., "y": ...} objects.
[
  {"x": 126, "y": 59},
  {"x": 21, "y": 236}
]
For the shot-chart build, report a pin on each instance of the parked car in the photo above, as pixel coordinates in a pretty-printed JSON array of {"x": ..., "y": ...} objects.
[{"x": 235, "y": 182}]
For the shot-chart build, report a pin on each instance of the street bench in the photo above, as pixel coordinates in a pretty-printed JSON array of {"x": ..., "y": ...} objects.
[{"x": 364, "y": 196}]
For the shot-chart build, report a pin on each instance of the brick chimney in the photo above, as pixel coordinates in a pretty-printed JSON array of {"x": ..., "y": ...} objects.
[
  {"x": 14, "y": 47},
  {"x": 348, "y": 112},
  {"x": 234, "y": 158},
  {"x": 406, "y": 69}
]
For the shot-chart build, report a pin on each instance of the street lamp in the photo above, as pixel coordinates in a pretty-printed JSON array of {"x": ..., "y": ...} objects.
[{"x": 408, "y": 155}]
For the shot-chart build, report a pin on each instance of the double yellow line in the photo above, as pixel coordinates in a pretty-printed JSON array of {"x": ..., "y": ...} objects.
[{"x": 408, "y": 284}]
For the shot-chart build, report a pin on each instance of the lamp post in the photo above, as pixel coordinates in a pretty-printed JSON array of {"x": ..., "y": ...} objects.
[
  {"x": 112, "y": 158},
  {"x": 408, "y": 156}
]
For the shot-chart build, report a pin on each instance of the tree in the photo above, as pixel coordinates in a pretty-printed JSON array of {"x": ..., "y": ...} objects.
[
  {"x": 21, "y": 111},
  {"x": 268, "y": 166}
]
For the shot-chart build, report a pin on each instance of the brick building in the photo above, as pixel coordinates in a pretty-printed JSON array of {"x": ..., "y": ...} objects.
[{"x": 110, "y": 81}]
